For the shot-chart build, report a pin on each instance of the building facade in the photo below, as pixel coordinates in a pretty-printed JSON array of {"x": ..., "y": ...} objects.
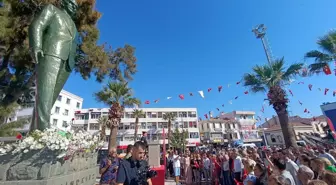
[
  {"x": 274, "y": 136},
  {"x": 152, "y": 123},
  {"x": 62, "y": 112},
  {"x": 219, "y": 131},
  {"x": 247, "y": 125}
]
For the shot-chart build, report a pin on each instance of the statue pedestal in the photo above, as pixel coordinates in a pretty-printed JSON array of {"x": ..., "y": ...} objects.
[
  {"x": 43, "y": 168},
  {"x": 154, "y": 154}
]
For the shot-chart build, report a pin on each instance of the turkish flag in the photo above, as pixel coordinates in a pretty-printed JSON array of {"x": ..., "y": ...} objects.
[
  {"x": 147, "y": 102},
  {"x": 181, "y": 96},
  {"x": 326, "y": 70}
]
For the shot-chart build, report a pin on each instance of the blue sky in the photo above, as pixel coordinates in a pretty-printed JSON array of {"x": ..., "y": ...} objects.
[{"x": 185, "y": 46}]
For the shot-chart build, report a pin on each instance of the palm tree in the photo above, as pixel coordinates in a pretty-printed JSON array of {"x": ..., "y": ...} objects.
[
  {"x": 117, "y": 95},
  {"x": 103, "y": 123},
  {"x": 138, "y": 113},
  {"x": 169, "y": 116},
  {"x": 327, "y": 53},
  {"x": 273, "y": 78}
]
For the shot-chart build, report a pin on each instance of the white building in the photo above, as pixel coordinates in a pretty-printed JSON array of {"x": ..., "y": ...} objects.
[
  {"x": 219, "y": 131},
  {"x": 247, "y": 125},
  {"x": 152, "y": 123},
  {"x": 62, "y": 112}
]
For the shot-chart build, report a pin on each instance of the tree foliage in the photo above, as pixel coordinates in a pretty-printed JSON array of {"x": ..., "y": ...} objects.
[
  {"x": 326, "y": 54},
  {"x": 178, "y": 139},
  {"x": 273, "y": 78},
  {"x": 16, "y": 66}
]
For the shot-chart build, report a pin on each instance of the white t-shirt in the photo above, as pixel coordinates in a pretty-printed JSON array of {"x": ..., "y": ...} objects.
[
  {"x": 238, "y": 165},
  {"x": 176, "y": 161},
  {"x": 226, "y": 166}
]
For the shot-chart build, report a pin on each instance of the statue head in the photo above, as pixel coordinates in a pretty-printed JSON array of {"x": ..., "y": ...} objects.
[{"x": 70, "y": 6}]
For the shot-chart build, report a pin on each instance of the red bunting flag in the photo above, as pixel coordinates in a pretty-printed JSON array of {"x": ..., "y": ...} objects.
[
  {"x": 147, "y": 102},
  {"x": 310, "y": 86},
  {"x": 290, "y": 91},
  {"x": 181, "y": 96},
  {"x": 262, "y": 109},
  {"x": 220, "y": 88},
  {"x": 156, "y": 101},
  {"x": 206, "y": 116},
  {"x": 19, "y": 136},
  {"x": 191, "y": 94},
  {"x": 326, "y": 70},
  {"x": 246, "y": 92},
  {"x": 222, "y": 105},
  {"x": 300, "y": 102},
  {"x": 238, "y": 83},
  {"x": 334, "y": 93},
  {"x": 314, "y": 118},
  {"x": 217, "y": 109},
  {"x": 305, "y": 110},
  {"x": 326, "y": 91},
  {"x": 236, "y": 97},
  {"x": 209, "y": 89}
]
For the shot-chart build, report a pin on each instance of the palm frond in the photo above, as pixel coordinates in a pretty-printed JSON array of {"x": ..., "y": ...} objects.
[
  {"x": 317, "y": 67},
  {"x": 252, "y": 81},
  {"x": 328, "y": 42},
  {"x": 291, "y": 71}
]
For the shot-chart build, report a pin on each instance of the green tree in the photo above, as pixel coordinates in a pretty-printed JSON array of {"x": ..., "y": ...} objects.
[
  {"x": 137, "y": 113},
  {"x": 179, "y": 139},
  {"x": 273, "y": 78},
  {"x": 104, "y": 123},
  {"x": 169, "y": 117},
  {"x": 327, "y": 53},
  {"x": 118, "y": 96},
  {"x": 17, "y": 71}
]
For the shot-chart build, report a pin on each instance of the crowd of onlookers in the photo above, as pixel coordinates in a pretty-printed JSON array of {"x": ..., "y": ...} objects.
[{"x": 254, "y": 166}]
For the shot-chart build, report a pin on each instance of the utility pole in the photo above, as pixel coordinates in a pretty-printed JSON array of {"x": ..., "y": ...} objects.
[{"x": 260, "y": 33}]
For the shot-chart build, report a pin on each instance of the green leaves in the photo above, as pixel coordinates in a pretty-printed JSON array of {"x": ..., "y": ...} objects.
[{"x": 178, "y": 139}]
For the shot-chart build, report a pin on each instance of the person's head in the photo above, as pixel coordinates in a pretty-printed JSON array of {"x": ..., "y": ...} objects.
[
  {"x": 138, "y": 151},
  {"x": 70, "y": 6},
  {"x": 304, "y": 160},
  {"x": 317, "y": 164},
  {"x": 318, "y": 182},
  {"x": 259, "y": 170},
  {"x": 249, "y": 165},
  {"x": 144, "y": 134},
  {"x": 329, "y": 177},
  {"x": 112, "y": 152},
  {"x": 332, "y": 152},
  {"x": 274, "y": 180},
  {"x": 305, "y": 174},
  {"x": 129, "y": 149},
  {"x": 279, "y": 165}
]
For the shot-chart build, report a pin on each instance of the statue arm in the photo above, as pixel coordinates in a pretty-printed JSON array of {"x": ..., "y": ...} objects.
[{"x": 38, "y": 26}]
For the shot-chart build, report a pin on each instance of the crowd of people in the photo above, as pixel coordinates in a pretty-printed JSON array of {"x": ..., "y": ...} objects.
[{"x": 254, "y": 166}]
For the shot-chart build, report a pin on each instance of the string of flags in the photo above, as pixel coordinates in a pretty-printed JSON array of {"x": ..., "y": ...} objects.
[{"x": 246, "y": 92}]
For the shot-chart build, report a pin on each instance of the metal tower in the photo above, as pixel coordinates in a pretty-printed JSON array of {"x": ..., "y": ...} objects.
[{"x": 260, "y": 33}]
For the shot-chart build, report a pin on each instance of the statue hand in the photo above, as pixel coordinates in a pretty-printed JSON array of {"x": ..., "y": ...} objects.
[{"x": 35, "y": 54}]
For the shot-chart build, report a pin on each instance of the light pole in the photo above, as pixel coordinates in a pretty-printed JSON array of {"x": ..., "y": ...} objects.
[{"x": 260, "y": 32}]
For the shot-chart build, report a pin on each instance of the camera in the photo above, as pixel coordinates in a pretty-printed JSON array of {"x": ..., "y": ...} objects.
[{"x": 151, "y": 174}]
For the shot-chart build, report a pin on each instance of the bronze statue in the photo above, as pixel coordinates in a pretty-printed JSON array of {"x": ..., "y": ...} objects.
[{"x": 53, "y": 43}]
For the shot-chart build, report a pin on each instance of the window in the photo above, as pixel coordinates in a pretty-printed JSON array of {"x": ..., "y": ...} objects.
[
  {"x": 183, "y": 114},
  {"x": 129, "y": 138},
  {"x": 95, "y": 115},
  {"x": 55, "y": 122},
  {"x": 57, "y": 110},
  {"x": 78, "y": 105},
  {"x": 185, "y": 124},
  {"x": 121, "y": 126},
  {"x": 208, "y": 125},
  {"x": 176, "y": 125},
  {"x": 127, "y": 126},
  {"x": 149, "y": 115},
  {"x": 64, "y": 124},
  {"x": 216, "y": 135},
  {"x": 66, "y": 112},
  {"x": 68, "y": 101},
  {"x": 194, "y": 124},
  {"x": 160, "y": 115},
  {"x": 217, "y": 125},
  {"x": 154, "y": 115},
  {"x": 80, "y": 117},
  {"x": 59, "y": 98},
  {"x": 194, "y": 135},
  {"x": 132, "y": 126},
  {"x": 192, "y": 114},
  {"x": 154, "y": 125},
  {"x": 143, "y": 125},
  {"x": 94, "y": 126},
  {"x": 129, "y": 115}
]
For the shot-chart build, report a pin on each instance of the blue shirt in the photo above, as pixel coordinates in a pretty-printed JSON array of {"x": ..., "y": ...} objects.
[{"x": 110, "y": 174}]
